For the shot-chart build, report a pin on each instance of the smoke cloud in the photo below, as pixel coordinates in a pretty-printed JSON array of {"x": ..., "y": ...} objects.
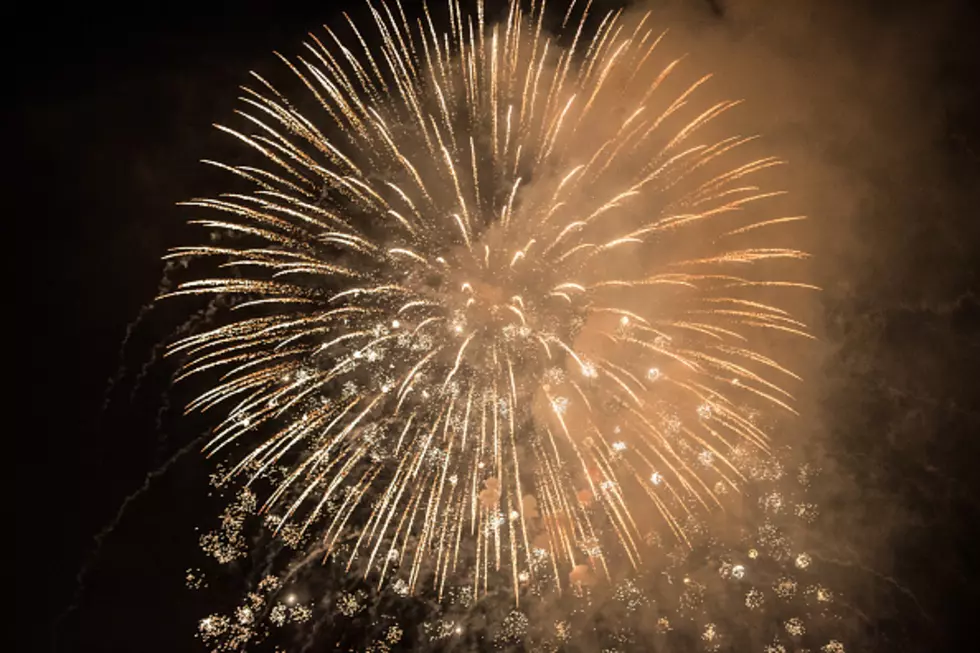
[{"x": 868, "y": 103}]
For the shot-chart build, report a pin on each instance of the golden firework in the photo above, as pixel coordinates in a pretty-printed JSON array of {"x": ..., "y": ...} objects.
[{"x": 496, "y": 298}]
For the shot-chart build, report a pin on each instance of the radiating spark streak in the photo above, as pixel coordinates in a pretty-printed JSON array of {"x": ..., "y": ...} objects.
[
  {"x": 510, "y": 202},
  {"x": 518, "y": 313},
  {"x": 415, "y": 304},
  {"x": 463, "y": 230},
  {"x": 406, "y": 384},
  {"x": 410, "y": 254},
  {"x": 765, "y": 223},
  {"x": 459, "y": 359}
]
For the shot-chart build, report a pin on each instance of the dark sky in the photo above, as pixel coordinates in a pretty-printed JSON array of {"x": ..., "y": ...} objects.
[{"x": 113, "y": 104}]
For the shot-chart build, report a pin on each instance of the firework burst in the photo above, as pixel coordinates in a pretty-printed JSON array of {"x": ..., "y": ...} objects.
[{"x": 496, "y": 311}]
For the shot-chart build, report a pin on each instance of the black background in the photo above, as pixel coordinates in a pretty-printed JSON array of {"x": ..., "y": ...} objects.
[{"x": 113, "y": 104}]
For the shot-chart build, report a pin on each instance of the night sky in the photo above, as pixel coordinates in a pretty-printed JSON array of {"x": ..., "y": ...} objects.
[{"x": 114, "y": 107}]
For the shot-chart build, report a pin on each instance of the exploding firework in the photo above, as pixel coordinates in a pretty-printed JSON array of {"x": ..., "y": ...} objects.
[{"x": 500, "y": 308}]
